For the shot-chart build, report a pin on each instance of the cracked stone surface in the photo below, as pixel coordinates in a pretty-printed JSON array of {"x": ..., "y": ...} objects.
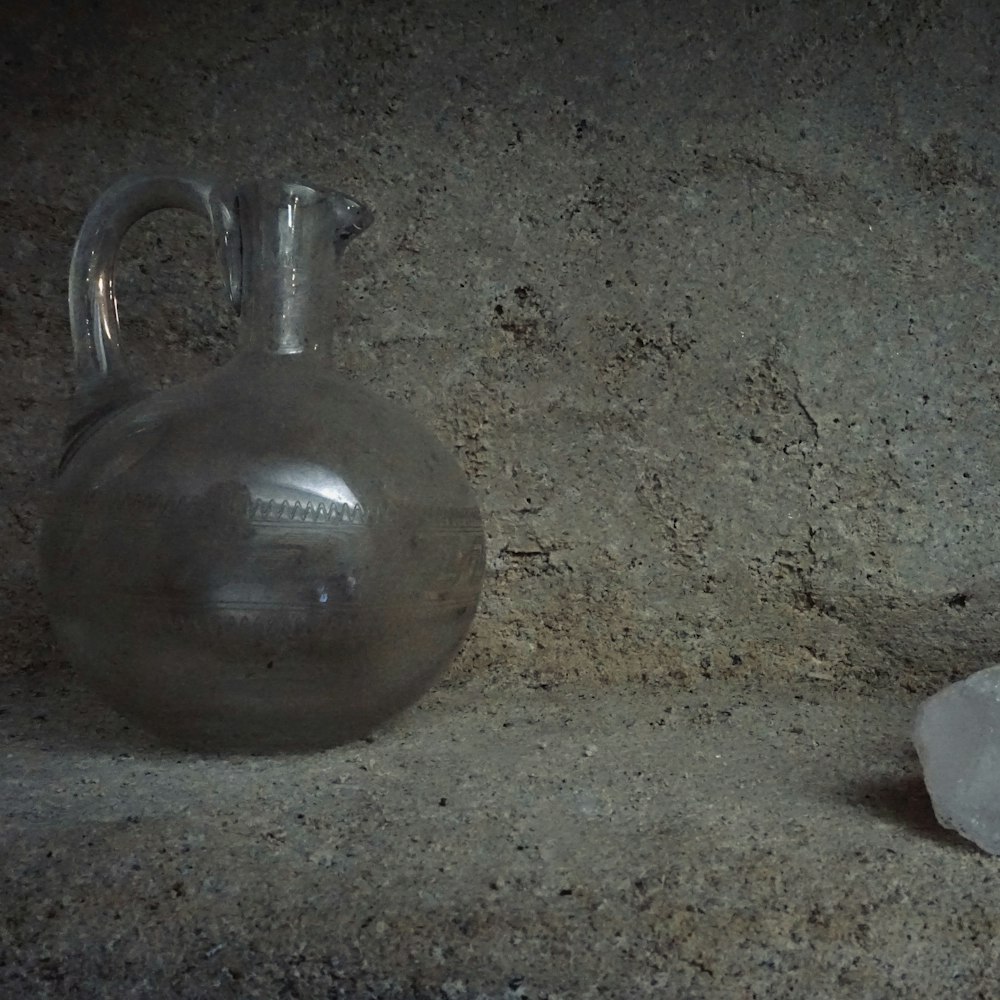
[
  {"x": 705, "y": 310},
  {"x": 703, "y": 298}
]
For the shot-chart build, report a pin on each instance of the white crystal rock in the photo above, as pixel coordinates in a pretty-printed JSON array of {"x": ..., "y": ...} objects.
[{"x": 957, "y": 736}]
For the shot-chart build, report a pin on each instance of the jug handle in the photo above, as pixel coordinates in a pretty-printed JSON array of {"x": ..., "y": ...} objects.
[{"x": 101, "y": 373}]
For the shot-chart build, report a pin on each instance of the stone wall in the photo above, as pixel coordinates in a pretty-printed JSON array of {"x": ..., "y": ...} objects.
[{"x": 702, "y": 295}]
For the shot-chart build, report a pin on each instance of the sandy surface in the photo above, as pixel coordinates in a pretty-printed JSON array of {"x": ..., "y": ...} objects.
[{"x": 722, "y": 841}]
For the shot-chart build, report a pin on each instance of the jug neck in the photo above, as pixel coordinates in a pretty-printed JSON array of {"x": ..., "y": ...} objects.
[{"x": 292, "y": 241}]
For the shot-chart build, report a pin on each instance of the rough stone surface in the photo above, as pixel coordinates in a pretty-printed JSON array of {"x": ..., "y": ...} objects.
[
  {"x": 957, "y": 736},
  {"x": 702, "y": 294},
  {"x": 703, "y": 297}
]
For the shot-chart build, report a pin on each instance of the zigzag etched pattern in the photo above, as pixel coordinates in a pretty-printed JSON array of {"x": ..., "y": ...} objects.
[
  {"x": 270, "y": 512},
  {"x": 264, "y": 511}
]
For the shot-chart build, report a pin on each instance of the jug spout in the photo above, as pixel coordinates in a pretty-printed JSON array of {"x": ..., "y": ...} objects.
[{"x": 292, "y": 238}]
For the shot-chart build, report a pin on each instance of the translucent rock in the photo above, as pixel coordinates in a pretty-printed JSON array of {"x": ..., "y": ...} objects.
[{"x": 957, "y": 736}]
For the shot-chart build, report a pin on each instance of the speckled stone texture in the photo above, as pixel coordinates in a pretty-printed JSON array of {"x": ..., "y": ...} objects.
[
  {"x": 703, "y": 297},
  {"x": 728, "y": 841}
]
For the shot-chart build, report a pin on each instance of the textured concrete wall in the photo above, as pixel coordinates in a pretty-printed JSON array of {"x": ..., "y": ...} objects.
[{"x": 703, "y": 295}]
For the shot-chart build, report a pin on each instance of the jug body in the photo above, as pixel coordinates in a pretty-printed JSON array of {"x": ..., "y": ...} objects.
[{"x": 268, "y": 558}]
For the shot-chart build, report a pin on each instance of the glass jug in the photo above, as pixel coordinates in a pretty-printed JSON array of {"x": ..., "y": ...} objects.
[{"x": 269, "y": 557}]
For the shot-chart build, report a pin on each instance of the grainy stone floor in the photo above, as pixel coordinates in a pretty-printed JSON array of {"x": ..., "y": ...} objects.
[{"x": 738, "y": 840}]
